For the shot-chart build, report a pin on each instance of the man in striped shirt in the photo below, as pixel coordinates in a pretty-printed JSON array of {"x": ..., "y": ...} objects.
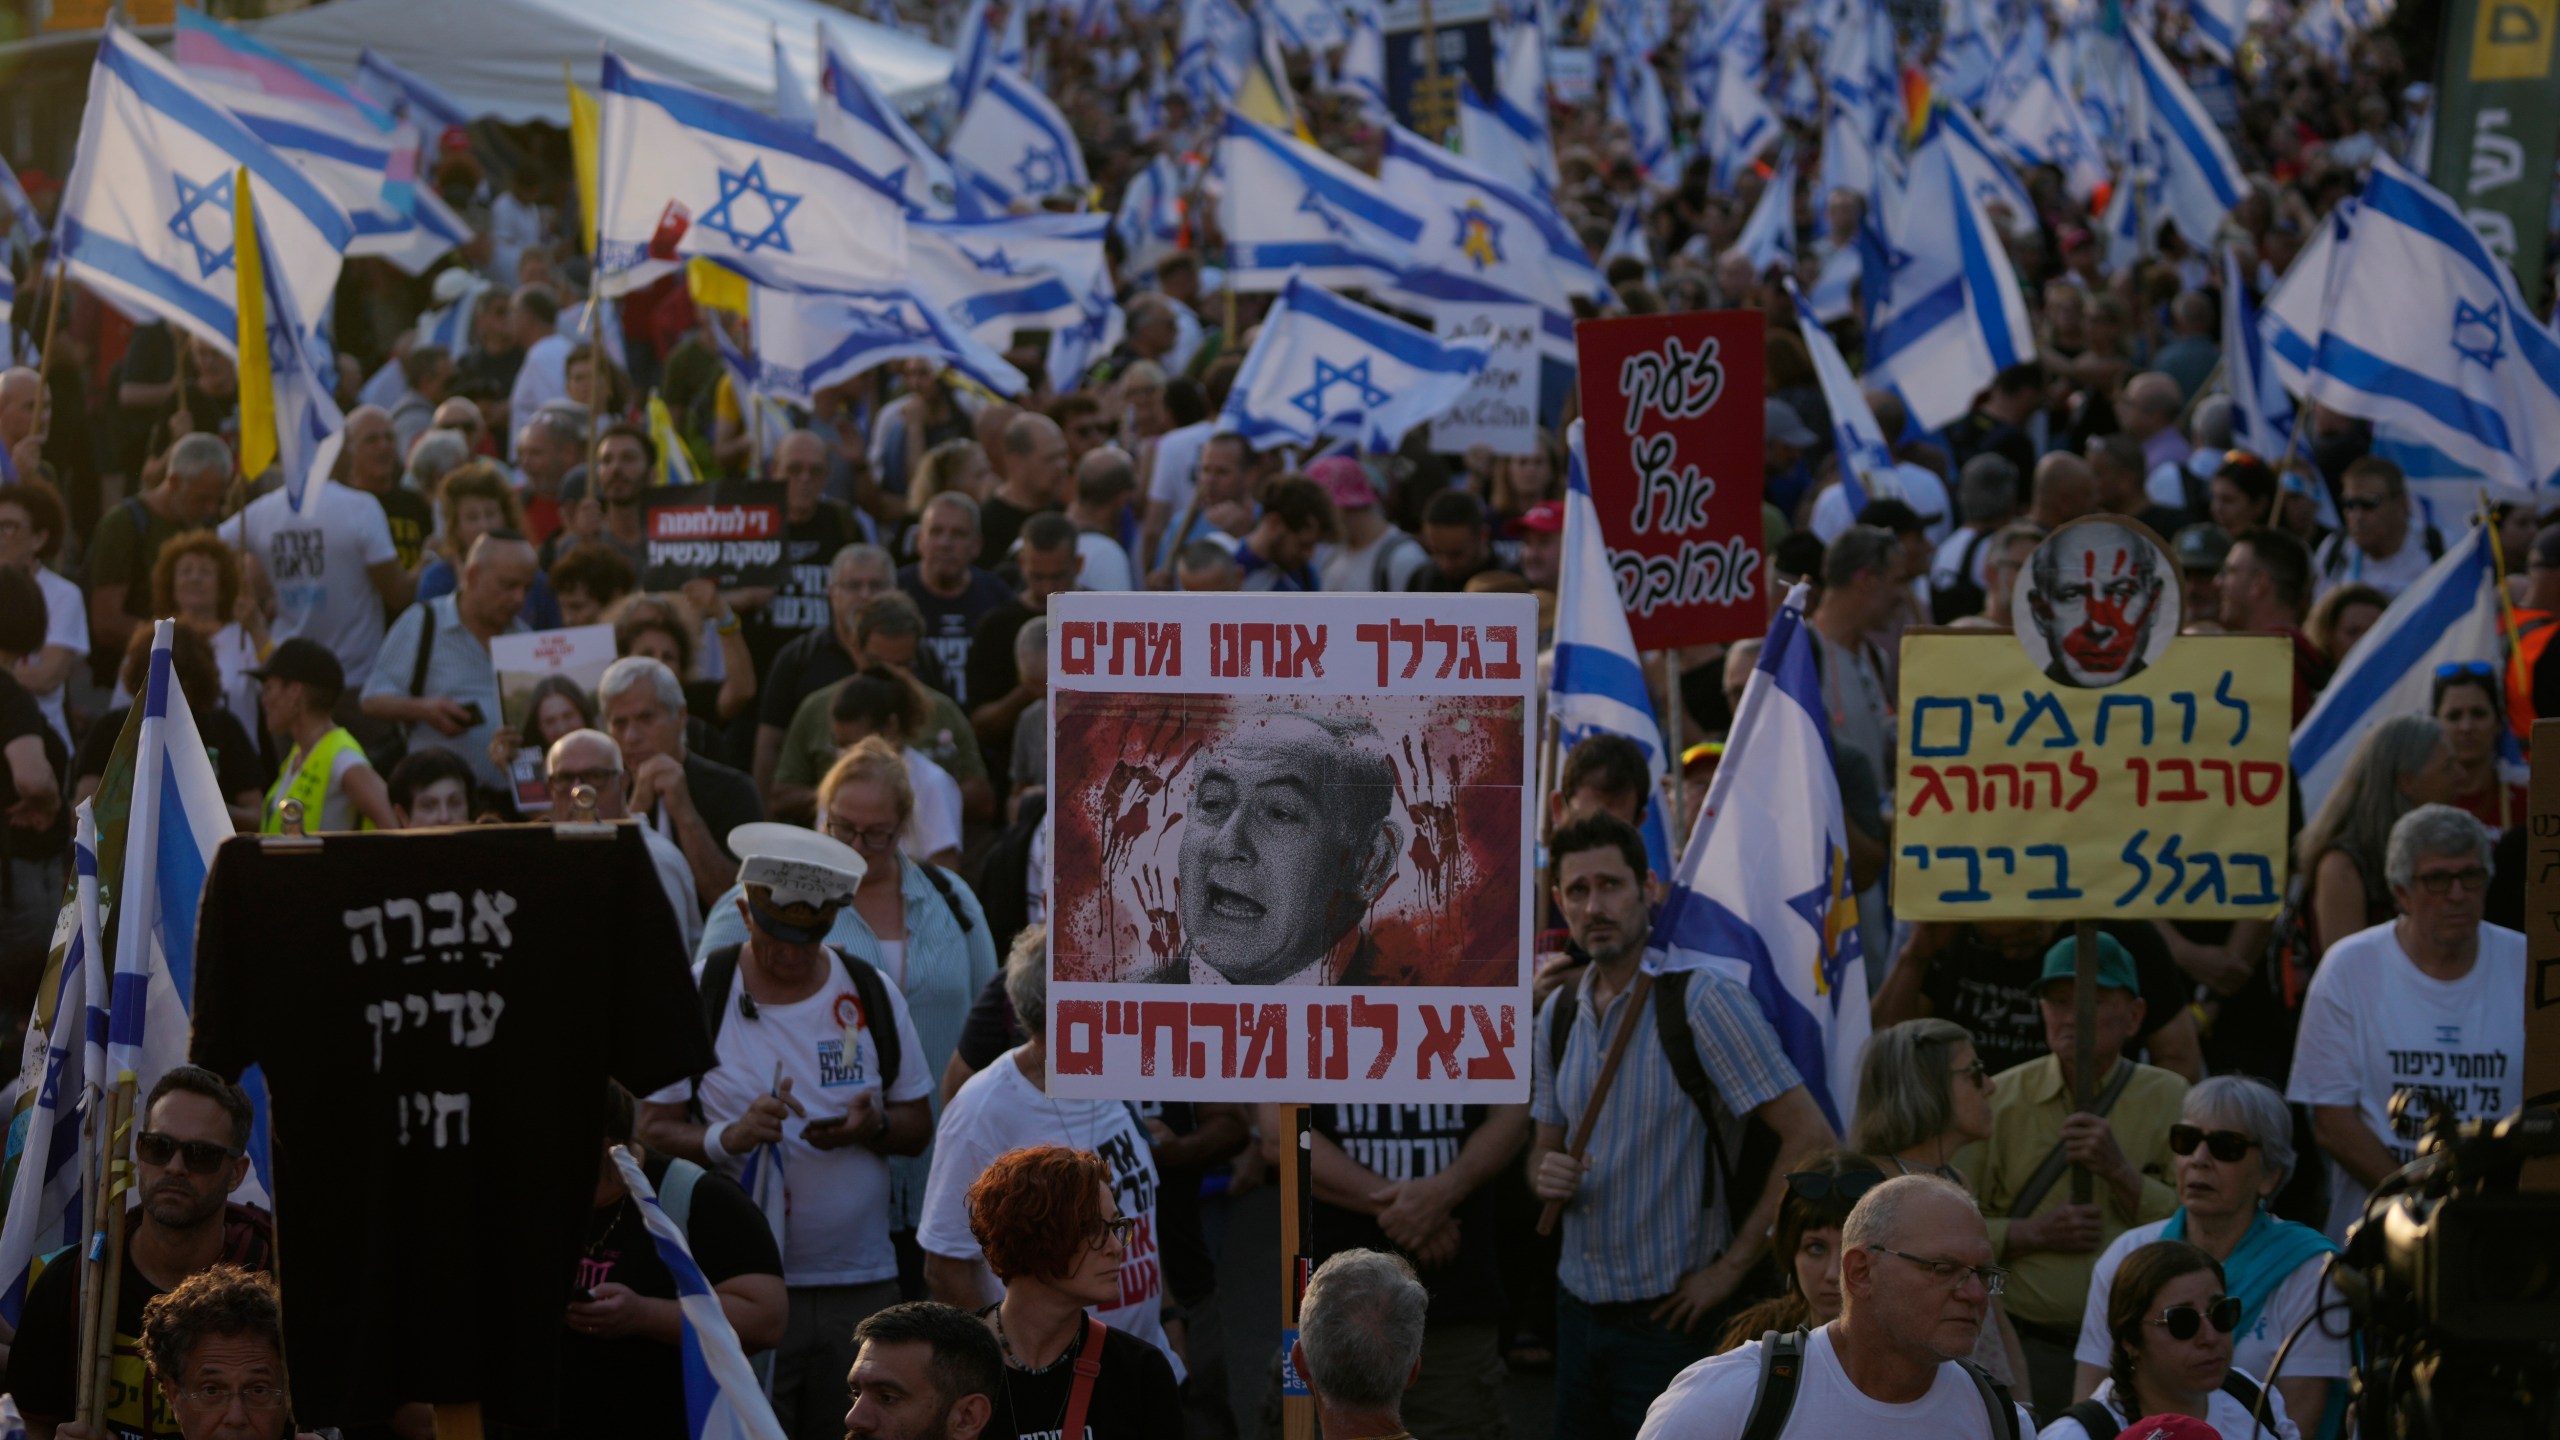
[{"x": 1654, "y": 1255}]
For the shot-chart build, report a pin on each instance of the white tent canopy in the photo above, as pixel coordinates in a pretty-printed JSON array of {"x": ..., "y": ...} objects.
[{"x": 502, "y": 57}]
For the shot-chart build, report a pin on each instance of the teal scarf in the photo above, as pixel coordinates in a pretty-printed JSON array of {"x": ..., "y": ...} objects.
[{"x": 2272, "y": 1250}]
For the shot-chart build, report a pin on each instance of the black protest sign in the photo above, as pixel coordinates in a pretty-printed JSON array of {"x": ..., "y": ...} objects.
[{"x": 732, "y": 531}]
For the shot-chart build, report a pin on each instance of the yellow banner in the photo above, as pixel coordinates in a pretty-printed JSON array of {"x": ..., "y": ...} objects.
[
  {"x": 257, "y": 375},
  {"x": 2512, "y": 40},
  {"x": 586, "y": 125},
  {"x": 2159, "y": 798}
]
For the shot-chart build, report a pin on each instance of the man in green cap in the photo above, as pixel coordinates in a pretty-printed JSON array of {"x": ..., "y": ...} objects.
[{"x": 2022, "y": 1174}]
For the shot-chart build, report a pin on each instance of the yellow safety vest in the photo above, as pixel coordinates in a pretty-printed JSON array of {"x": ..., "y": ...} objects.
[{"x": 306, "y": 778}]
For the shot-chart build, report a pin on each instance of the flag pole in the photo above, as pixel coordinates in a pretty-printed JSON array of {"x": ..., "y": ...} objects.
[
  {"x": 2084, "y": 1061},
  {"x": 106, "y": 1272},
  {"x": 1639, "y": 1000},
  {"x": 1297, "y": 1251}
]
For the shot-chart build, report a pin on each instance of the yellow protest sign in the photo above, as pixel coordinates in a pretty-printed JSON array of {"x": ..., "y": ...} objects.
[{"x": 2160, "y": 797}]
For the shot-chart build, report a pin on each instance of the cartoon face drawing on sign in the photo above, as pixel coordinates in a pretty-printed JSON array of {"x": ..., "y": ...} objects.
[{"x": 2097, "y": 603}]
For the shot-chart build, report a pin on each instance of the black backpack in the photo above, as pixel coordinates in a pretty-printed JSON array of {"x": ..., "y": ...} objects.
[
  {"x": 1965, "y": 596},
  {"x": 2096, "y": 1419},
  {"x": 1746, "y": 1173},
  {"x": 1782, "y": 1368},
  {"x": 720, "y": 967}
]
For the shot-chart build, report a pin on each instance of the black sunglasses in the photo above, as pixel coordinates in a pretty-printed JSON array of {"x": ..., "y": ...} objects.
[
  {"x": 1818, "y": 1185},
  {"x": 2183, "y": 1321},
  {"x": 2226, "y": 1146},
  {"x": 203, "y": 1156}
]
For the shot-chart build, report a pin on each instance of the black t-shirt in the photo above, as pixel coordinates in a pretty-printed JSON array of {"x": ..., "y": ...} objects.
[
  {"x": 20, "y": 717},
  {"x": 632, "y": 1387},
  {"x": 1410, "y": 1142},
  {"x": 1992, "y": 993},
  {"x": 990, "y": 1029},
  {"x": 999, "y": 525},
  {"x": 949, "y": 624},
  {"x": 725, "y": 798},
  {"x": 992, "y": 671},
  {"x": 238, "y": 766},
  {"x": 411, "y": 519},
  {"x": 434, "y": 1011},
  {"x": 1134, "y": 1398},
  {"x": 799, "y": 603}
]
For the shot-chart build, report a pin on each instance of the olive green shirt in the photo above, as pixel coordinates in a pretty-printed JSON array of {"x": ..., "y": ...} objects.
[
  {"x": 2028, "y": 1105},
  {"x": 809, "y": 746}
]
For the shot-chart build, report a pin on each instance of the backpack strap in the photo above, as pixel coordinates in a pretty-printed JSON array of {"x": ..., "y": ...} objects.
[
  {"x": 719, "y": 969},
  {"x": 2247, "y": 1391},
  {"x": 1781, "y": 1370},
  {"x": 426, "y": 650},
  {"x": 872, "y": 989},
  {"x": 1568, "y": 1004},
  {"x": 675, "y": 1193},
  {"x": 1996, "y": 1399},
  {"x": 1680, "y": 1051},
  {"x": 1088, "y": 1370},
  {"x": 942, "y": 887},
  {"x": 2032, "y": 1193},
  {"x": 2095, "y": 1419}
]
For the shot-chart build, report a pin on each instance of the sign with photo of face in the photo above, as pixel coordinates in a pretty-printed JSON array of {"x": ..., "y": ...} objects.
[
  {"x": 2098, "y": 602},
  {"x": 1291, "y": 846}
]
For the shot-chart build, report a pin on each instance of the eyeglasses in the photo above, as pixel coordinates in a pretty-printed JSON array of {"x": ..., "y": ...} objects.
[
  {"x": 203, "y": 1156},
  {"x": 571, "y": 779},
  {"x": 2452, "y": 668},
  {"x": 1821, "y": 1185},
  {"x": 2363, "y": 502},
  {"x": 2226, "y": 1146},
  {"x": 1977, "y": 1072},
  {"x": 1118, "y": 1227},
  {"x": 862, "y": 837},
  {"x": 1953, "y": 1272},
  {"x": 2183, "y": 1321},
  {"x": 215, "y": 1398},
  {"x": 2442, "y": 882}
]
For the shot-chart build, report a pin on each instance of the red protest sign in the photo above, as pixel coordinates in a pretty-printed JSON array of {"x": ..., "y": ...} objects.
[{"x": 1672, "y": 411}]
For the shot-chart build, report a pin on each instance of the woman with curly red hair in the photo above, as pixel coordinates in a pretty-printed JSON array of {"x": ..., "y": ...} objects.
[{"x": 1051, "y": 1231}]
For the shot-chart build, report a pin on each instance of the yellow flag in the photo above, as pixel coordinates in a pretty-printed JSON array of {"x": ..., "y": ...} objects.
[
  {"x": 715, "y": 286},
  {"x": 675, "y": 463},
  {"x": 257, "y": 376},
  {"x": 586, "y": 122},
  {"x": 1264, "y": 98}
]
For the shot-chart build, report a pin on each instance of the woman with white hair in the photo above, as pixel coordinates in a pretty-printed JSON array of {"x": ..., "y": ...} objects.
[{"x": 2234, "y": 1148}]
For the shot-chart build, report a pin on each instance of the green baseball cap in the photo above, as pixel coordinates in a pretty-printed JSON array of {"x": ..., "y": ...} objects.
[{"x": 2115, "y": 964}]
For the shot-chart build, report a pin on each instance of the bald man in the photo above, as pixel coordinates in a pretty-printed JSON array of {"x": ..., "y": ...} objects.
[
  {"x": 815, "y": 528},
  {"x": 2065, "y": 489},
  {"x": 1036, "y": 475},
  {"x": 371, "y": 463},
  {"x": 590, "y": 758}
]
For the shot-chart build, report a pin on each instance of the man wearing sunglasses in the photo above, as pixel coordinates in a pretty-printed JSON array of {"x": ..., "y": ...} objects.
[
  {"x": 2376, "y": 548},
  {"x": 190, "y": 1152},
  {"x": 2428, "y": 1004}
]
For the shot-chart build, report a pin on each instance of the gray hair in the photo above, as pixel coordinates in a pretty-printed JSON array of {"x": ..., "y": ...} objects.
[
  {"x": 2211, "y": 423},
  {"x": 2366, "y": 803},
  {"x": 559, "y": 425},
  {"x": 1026, "y": 981},
  {"x": 631, "y": 671},
  {"x": 860, "y": 552},
  {"x": 582, "y": 737},
  {"x": 437, "y": 454},
  {"x": 1361, "y": 1325},
  {"x": 1857, "y": 550},
  {"x": 1875, "y": 1222},
  {"x": 199, "y": 454},
  {"x": 954, "y": 500},
  {"x": 2430, "y": 832},
  {"x": 2252, "y": 1107},
  {"x": 1031, "y": 639},
  {"x": 1906, "y": 1085},
  {"x": 1987, "y": 488}
]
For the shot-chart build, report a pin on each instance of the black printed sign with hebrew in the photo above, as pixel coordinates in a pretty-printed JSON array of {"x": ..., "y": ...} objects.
[
  {"x": 435, "y": 1014},
  {"x": 2162, "y": 797}
]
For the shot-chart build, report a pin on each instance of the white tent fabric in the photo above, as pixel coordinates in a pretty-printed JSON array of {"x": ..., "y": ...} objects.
[{"x": 502, "y": 57}]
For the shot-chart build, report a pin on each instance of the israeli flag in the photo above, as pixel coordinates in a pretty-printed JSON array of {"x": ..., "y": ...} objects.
[
  {"x": 2218, "y": 25},
  {"x": 1364, "y": 66},
  {"x": 1967, "y": 59},
  {"x": 1150, "y": 220},
  {"x": 1596, "y": 685},
  {"x": 808, "y": 340},
  {"x": 722, "y": 1398},
  {"x": 2449, "y": 617},
  {"x": 25, "y": 230},
  {"x": 1766, "y": 900},
  {"x": 1324, "y": 365},
  {"x": 1290, "y": 207},
  {"x": 1099, "y": 325},
  {"x": 2404, "y": 316},
  {"x": 146, "y": 215},
  {"x": 991, "y": 37},
  {"x": 1484, "y": 241},
  {"x": 1741, "y": 124},
  {"x": 2041, "y": 125},
  {"x": 296, "y": 388},
  {"x": 2191, "y": 165},
  {"x": 1835, "y": 287},
  {"x": 1520, "y": 100},
  {"x": 1627, "y": 237},
  {"x": 450, "y": 325},
  {"x": 2261, "y": 411},
  {"x": 682, "y": 172},
  {"x": 1636, "y": 101},
  {"x": 1850, "y": 161},
  {"x": 1944, "y": 314},
  {"x": 1984, "y": 171},
  {"x": 1022, "y": 272},
  {"x": 67, "y": 1060},
  {"x": 857, "y": 119},
  {"x": 1769, "y": 236},
  {"x": 1866, "y": 459},
  {"x": 1218, "y": 46},
  {"x": 1308, "y": 25},
  {"x": 404, "y": 94},
  {"x": 1013, "y": 145}
]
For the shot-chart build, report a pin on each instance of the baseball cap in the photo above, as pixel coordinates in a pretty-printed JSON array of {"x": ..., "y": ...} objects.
[
  {"x": 1787, "y": 427},
  {"x": 2115, "y": 965},
  {"x": 1345, "y": 480},
  {"x": 452, "y": 285},
  {"x": 796, "y": 880},
  {"x": 1546, "y": 518},
  {"x": 2201, "y": 547},
  {"x": 303, "y": 662},
  {"x": 2169, "y": 1427}
]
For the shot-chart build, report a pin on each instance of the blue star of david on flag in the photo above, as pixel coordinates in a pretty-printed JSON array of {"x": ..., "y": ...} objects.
[
  {"x": 1328, "y": 375},
  {"x": 886, "y": 320},
  {"x": 193, "y": 199},
  {"x": 998, "y": 263},
  {"x": 1314, "y": 204},
  {"x": 2477, "y": 333},
  {"x": 721, "y": 218},
  {"x": 1831, "y": 911},
  {"x": 1040, "y": 172}
]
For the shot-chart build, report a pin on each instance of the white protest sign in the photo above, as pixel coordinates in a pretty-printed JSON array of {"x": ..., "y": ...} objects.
[
  {"x": 1501, "y": 408},
  {"x": 535, "y": 669}
]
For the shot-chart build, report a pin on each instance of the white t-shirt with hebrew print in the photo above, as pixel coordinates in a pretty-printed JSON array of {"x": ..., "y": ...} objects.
[
  {"x": 1001, "y": 1110},
  {"x": 837, "y": 1200},
  {"x": 2374, "y": 1024},
  {"x": 320, "y": 560},
  {"x": 1711, "y": 1399}
]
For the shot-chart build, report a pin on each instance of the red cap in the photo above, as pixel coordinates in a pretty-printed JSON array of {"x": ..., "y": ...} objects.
[
  {"x": 1345, "y": 480},
  {"x": 454, "y": 138},
  {"x": 2169, "y": 1427},
  {"x": 1546, "y": 517}
]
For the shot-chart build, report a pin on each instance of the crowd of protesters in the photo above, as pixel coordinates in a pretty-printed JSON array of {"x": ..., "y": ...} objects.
[{"x": 889, "y": 700}]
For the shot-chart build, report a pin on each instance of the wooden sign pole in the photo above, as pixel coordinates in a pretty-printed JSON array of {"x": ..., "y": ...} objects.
[
  {"x": 2542, "y": 939},
  {"x": 2084, "y": 1023},
  {"x": 106, "y": 1274},
  {"x": 1297, "y": 1243},
  {"x": 1639, "y": 999}
]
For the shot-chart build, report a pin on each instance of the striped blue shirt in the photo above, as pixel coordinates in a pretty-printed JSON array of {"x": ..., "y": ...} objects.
[{"x": 1641, "y": 1219}]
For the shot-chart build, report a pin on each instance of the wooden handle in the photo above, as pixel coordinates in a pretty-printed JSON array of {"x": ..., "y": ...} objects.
[
  {"x": 2084, "y": 1005},
  {"x": 1639, "y": 995}
]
